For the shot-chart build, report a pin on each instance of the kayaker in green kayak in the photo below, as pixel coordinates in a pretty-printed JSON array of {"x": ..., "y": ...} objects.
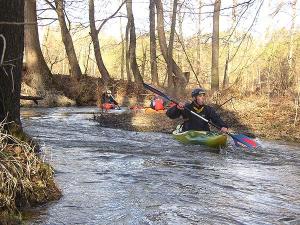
[{"x": 191, "y": 122}]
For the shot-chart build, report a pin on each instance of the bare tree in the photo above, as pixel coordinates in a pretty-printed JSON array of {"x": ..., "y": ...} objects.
[
  {"x": 292, "y": 37},
  {"x": 127, "y": 55},
  {"x": 180, "y": 20},
  {"x": 144, "y": 59},
  {"x": 234, "y": 21},
  {"x": 94, "y": 35},
  {"x": 171, "y": 80},
  {"x": 199, "y": 47},
  {"x": 132, "y": 45},
  {"x": 215, "y": 47},
  {"x": 122, "y": 51},
  {"x": 37, "y": 72},
  {"x": 180, "y": 79},
  {"x": 153, "y": 62},
  {"x": 66, "y": 38},
  {"x": 11, "y": 60}
]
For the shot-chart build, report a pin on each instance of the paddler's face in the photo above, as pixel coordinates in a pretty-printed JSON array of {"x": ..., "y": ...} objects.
[{"x": 200, "y": 99}]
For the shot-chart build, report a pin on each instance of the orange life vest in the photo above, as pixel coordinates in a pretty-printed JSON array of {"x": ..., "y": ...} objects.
[{"x": 159, "y": 104}]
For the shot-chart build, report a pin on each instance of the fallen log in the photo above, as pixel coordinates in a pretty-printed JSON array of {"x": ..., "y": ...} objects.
[{"x": 32, "y": 98}]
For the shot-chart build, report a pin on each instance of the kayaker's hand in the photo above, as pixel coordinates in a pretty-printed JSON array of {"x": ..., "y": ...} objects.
[
  {"x": 224, "y": 129},
  {"x": 180, "y": 106}
]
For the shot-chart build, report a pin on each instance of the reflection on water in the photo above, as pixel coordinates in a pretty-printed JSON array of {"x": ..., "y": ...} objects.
[{"x": 111, "y": 176}]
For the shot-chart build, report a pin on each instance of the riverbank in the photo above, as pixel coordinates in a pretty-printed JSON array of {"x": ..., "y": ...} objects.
[
  {"x": 273, "y": 117},
  {"x": 25, "y": 179},
  {"x": 254, "y": 116}
]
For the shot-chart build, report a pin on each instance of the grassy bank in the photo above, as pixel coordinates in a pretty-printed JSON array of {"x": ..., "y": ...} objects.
[{"x": 25, "y": 180}]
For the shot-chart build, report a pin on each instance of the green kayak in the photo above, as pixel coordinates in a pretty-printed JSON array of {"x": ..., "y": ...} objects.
[{"x": 208, "y": 138}]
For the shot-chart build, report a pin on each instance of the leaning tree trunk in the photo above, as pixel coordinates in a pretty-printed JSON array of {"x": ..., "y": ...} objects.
[
  {"x": 11, "y": 60},
  {"x": 127, "y": 55},
  {"x": 290, "y": 48},
  {"x": 122, "y": 52},
  {"x": 94, "y": 35},
  {"x": 215, "y": 47},
  {"x": 38, "y": 74},
  {"x": 181, "y": 80},
  {"x": 199, "y": 47},
  {"x": 67, "y": 40},
  {"x": 171, "y": 44},
  {"x": 132, "y": 45},
  {"x": 153, "y": 62}
]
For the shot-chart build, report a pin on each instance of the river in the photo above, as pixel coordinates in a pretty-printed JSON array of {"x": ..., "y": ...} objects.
[{"x": 112, "y": 176}]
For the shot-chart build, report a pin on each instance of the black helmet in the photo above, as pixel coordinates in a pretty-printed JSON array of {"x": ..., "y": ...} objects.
[{"x": 198, "y": 91}]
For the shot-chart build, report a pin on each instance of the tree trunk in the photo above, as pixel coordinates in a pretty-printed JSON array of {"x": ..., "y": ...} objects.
[
  {"x": 94, "y": 35},
  {"x": 127, "y": 55},
  {"x": 232, "y": 34},
  {"x": 226, "y": 78},
  {"x": 88, "y": 58},
  {"x": 153, "y": 62},
  {"x": 291, "y": 49},
  {"x": 11, "y": 61},
  {"x": 132, "y": 45},
  {"x": 180, "y": 35},
  {"x": 215, "y": 47},
  {"x": 199, "y": 47},
  {"x": 144, "y": 59},
  {"x": 38, "y": 74},
  {"x": 122, "y": 52},
  {"x": 170, "y": 47},
  {"x": 163, "y": 45},
  {"x": 67, "y": 40}
]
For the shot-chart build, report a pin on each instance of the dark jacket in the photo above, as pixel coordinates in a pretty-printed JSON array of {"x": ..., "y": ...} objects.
[
  {"x": 108, "y": 99},
  {"x": 192, "y": 122}
]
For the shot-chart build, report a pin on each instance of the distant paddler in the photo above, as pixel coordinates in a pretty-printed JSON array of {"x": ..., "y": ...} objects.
[{"x": 108, "y": 101}]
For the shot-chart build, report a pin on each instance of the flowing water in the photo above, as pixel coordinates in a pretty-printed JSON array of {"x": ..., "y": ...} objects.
[{"x": 111, "y": 176}]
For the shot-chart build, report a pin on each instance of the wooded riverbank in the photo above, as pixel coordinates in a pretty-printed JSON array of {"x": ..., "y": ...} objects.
[
  {"x": 272, "y": 117},
  {"x": 254, "y": 116}
]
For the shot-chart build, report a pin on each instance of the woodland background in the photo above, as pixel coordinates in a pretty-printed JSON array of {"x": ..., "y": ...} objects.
[{"x": 74, "y": 50}]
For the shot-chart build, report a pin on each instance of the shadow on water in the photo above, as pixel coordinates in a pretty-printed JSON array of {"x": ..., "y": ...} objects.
[{"x": 112, "y": 176}]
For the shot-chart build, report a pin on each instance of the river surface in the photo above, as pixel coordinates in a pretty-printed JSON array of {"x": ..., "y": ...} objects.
[{"x": 112, "y": 176}]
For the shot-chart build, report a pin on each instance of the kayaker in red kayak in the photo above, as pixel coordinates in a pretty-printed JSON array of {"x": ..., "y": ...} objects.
[
  {"x": 198, "y": 105},
  {"x": 108, "y": 101}
]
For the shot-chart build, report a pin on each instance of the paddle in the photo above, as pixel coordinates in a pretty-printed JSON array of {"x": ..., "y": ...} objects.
[{"x": 239, "y": 139}]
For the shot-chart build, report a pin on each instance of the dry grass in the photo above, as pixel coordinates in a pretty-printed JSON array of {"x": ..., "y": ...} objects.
[{"x": 25, "y": 180}]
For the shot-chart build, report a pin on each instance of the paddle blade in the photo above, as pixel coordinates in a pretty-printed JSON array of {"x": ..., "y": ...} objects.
[
  {"x": 154, "y": 90},
  {"x": 243, "y": 140}
]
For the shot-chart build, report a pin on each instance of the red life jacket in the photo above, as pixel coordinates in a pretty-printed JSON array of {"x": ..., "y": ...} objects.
[
  {"x": 159, "y": 104},
  {"x": 107, "y": 106}
]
